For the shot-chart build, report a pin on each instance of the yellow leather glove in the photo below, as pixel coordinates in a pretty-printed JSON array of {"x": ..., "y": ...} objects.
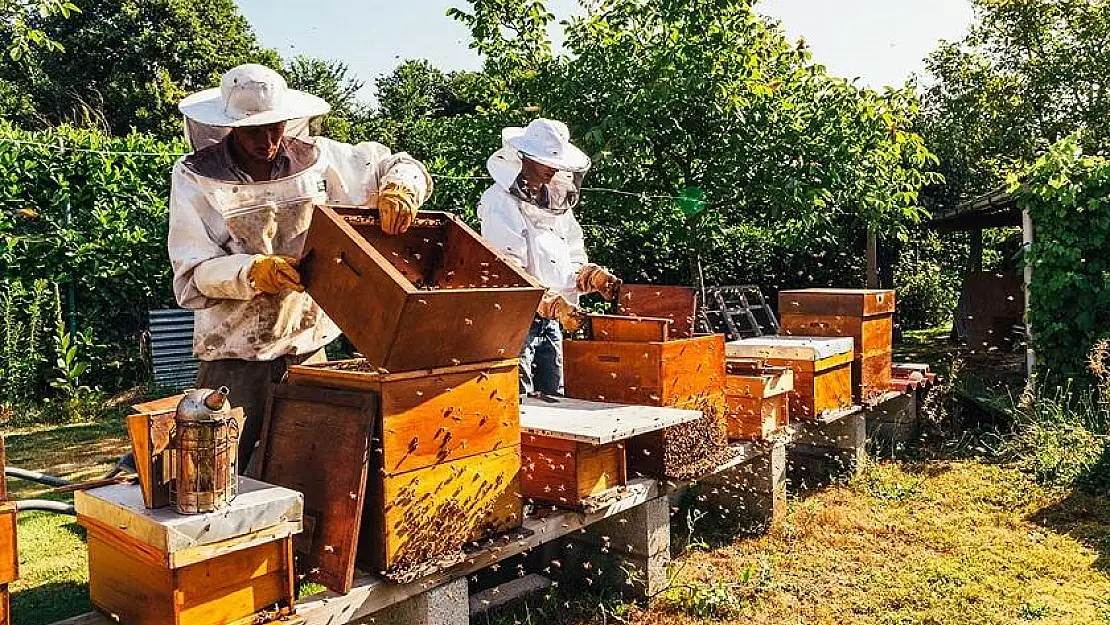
[
  {"x": 597, "y": 279},
  {"x": 397, "y": 207},
  {"x": 555, "y": 306},
  {"x": 275, "y": 274}
]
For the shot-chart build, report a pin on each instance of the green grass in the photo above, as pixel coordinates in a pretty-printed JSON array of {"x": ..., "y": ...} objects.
[{"x": 52, "y": 560}]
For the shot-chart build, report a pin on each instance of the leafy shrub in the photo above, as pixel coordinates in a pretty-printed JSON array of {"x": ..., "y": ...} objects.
[
  {"x": 94, "y": 222},
  {"x": 1068, "y": 196}
]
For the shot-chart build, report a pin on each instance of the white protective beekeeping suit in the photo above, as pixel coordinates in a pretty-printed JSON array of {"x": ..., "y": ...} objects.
[
  {"x": 549, "y": 244},
  {"x": 218, "y": 228}
]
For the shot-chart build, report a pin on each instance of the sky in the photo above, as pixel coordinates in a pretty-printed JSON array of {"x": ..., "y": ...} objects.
[{"x": 880, "y": 42}]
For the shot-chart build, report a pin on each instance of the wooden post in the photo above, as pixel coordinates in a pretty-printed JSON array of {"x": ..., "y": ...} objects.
[
  {"x": 975, "y": 264},
  {"x": 1027, "y": 237},
  {"x": 9, "y": 559},
  {"x": 872, "y": 259}
]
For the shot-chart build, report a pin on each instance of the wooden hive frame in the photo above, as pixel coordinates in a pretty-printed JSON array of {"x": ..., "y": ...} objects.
[{"x": 389, "y": 293}]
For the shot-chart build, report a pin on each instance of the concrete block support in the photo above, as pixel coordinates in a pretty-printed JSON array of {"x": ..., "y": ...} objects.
[
  {"x": 753, "y": 494},
  {"x": 892, "y": 425},
  {"x": 641, "y": 539},
  {"x": 827, "y": 450},
  {"x": 448, "y": 604}
]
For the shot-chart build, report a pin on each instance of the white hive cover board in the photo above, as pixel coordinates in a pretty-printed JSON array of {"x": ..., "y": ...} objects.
[{"x": 596, "y": 423}]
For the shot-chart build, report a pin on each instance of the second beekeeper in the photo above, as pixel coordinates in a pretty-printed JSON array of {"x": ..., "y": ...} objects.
[
  {"x": 240, "y": 207},
  {"x": 528, "y": 214}
]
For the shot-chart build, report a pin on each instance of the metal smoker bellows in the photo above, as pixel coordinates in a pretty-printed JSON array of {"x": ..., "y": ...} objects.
[{"x": 206, "y": 439}]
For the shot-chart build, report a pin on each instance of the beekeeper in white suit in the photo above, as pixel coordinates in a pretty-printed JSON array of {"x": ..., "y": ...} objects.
[
  {"x": 529, "y": 215},
  {"x": 240, "y": 207}
]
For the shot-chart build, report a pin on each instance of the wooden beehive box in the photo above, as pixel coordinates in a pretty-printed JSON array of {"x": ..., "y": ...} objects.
[
  {"x": 390, "y": 294},
  {"x": 687, "y": 373},
  {"x": 822, "y": 370},
  {"x": 573, "y": 451},
  {"x": 677, "y": 304},
  {"x": 865, "y": 315},
  {"x": 155, "y": 567},
  {"x": 758, "y": 399},
  {"x": 428, "y": 462}
]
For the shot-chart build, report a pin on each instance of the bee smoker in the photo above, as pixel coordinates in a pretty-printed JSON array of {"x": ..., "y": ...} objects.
[{"x": 205, "y": 441}]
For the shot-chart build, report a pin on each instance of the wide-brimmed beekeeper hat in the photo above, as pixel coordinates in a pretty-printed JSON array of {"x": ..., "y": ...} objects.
[
  {"x": 251, "y": 95},
  {"x": 547, "y": 141}
]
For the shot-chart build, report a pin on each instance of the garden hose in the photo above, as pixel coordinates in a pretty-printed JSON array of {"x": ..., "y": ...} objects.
[
  {"x": 35, "y": 476},
  {"x": 43, "y": 505}
]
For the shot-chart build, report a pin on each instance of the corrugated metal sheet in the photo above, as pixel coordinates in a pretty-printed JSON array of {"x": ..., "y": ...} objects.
[{"x": 171, "y": 348}]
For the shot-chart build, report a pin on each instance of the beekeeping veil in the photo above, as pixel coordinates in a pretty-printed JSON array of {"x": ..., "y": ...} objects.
[
  {"x": 248, "y": 95},
  {"x": 547, "y": 142}
]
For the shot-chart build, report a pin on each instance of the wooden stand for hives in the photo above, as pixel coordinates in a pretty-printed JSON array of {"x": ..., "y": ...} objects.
[{"x": 752, "y": 485}]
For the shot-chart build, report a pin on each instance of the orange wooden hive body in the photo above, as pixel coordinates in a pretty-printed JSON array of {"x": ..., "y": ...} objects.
[
  {"x": 822, "y": 370},
  {"x": 569, "y": 473},
  {"x": 758, "y": 399},
  {"x": 142, "y": 573},
  {"x": 389, "y": 294},
  {"x": 434, "y": 462},
  {"x": 865, "y": 315},
  {"x": 676, "y": 304},
  {"x": 687, "y": 373}
]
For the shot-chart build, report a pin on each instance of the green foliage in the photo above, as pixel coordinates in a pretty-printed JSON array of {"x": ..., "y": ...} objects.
[
  {"x": 1026, "y": 76},
  {"x": 17, "y": 29},
  {"x": 156, "y": 52},
  {"x": 1068, "y": 196},
  {"x": 23, "y": 351},
  {"x": 95, "y": 220},
  {"x": 332, "y": 81},
  {"x": 927, "y": 278}
]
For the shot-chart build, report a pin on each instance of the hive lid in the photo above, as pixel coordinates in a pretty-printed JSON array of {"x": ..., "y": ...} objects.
[
  {"x": 257, "y": 507},
  {"x": 596, "y": 423},
  {"x": 789, "y": 347}
]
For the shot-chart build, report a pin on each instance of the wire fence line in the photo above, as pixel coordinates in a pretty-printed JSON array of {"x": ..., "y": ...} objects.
[{"x": 61, "y": 148}]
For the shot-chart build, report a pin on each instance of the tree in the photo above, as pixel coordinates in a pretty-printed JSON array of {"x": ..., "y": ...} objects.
[
  {"x": 17, "y": 28},
  {"x": 332, "y": 81},
  {"x": 1029, "y": 73},
  {"x": 705, "y": 98},
  {"x": 127, "y": 63}
]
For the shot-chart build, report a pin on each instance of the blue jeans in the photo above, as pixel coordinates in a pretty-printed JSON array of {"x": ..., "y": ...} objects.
[{"x": 541, "y": 359}]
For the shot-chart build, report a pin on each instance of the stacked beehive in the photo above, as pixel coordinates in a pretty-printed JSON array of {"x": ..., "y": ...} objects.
[
  {"x": 632, "y": 360},
  {"x": 409, "y": 454},
  {"x": 865, "y": 315},
  {"x": 822, "y": 370},
  {"x": 758, "y": 399}
]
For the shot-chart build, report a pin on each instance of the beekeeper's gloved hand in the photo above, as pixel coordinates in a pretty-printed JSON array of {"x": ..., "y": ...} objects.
[
  {"x": 596, "y": 279},
  {"x": 555, "y": 306},
  {"x": 275, "y": 274},
  {"x": 397, "y": 206}
]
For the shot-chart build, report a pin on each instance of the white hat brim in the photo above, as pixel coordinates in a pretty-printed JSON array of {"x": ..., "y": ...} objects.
[
  {"x": 207, "y": 107},
  {"x": 573, "y": 159}
]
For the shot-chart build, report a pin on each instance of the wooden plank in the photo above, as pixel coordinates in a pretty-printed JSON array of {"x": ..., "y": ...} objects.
[
  {"x": 629, "y": 329},
  {"x": 9, "y": 545},
  {"x": 317, "y": 442},
  {"x": 371, "y": 594},
  {"x": 202, "y": 553},
  {"x": 150, "y": 435},
  {"x": 158, "y": 406},
  {"x": 259, "y": 505},
  {"x": 675, "y": 303},
  {"x": 423, "y": 514},
  {"x": 594, "y": 422}
]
